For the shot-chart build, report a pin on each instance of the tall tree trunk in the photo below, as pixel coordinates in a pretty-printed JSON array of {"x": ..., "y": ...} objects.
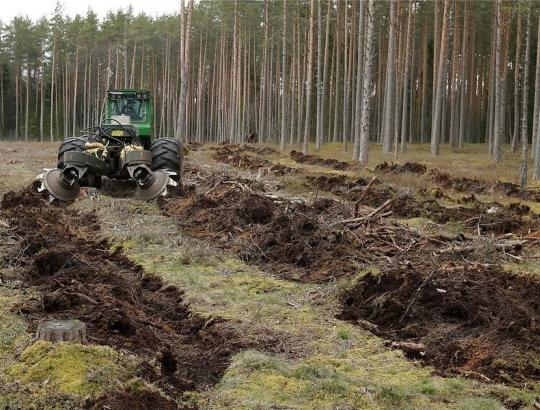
[
  {"x": 367, "y": 84},
  {"x": 309, "y": 78},
  {"x": 525, "y": 103},
  {"x": 517, "y": 64},
  {"x": 284, "y": 79},
  {"x": 497, "y": 124},
  {"x": 325, "y": 75},
  {"x": 437, "y": 103},
  {"x": 423, "y": 113},
  {"x": 390, "y": 80},
  {"x": 359, "y": 83},
  {"x": 406, "y": 76},
  {"x": 74, "y": 130},
  {"x": 185, "y": 61},
  {"x": 318, "y": 135},
  {"x": 465, "y": 85}
]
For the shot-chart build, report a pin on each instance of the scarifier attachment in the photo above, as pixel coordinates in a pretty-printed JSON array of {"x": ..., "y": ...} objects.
[
  {"x": 60, "y": 184},
  {"x": 150, "y": 184}
]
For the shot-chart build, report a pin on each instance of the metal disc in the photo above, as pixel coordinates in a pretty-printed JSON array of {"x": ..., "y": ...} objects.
[
  {"x": 51, "y": 181},
  {"x": 156, "y": 189}
]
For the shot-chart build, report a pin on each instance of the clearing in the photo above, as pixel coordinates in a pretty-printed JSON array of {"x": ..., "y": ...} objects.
[{"x": 275, "y": 280}]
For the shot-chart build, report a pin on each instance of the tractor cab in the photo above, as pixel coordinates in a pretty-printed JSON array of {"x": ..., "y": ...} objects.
[{"x": 130, "y": 107}]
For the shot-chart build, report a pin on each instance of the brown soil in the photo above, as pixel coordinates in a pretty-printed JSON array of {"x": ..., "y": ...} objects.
[
  {"x": 79, "y": 278},
  {"x": 465, "y": 319},
  {"x": 408, "y": 167},
  {"x": 294, "y": 240},
  {"x": 339, "y": 185},
  {"x": 514, "y": 218},
  {"x": 236, "y": 156},
  {"x": 478, "y": 186},
  {"x": 322, "y": 162}
]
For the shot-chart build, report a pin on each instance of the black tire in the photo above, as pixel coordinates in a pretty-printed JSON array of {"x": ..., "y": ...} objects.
[
  {"x": 71, "y": 144},
  {"x": 167, "y": 155}
]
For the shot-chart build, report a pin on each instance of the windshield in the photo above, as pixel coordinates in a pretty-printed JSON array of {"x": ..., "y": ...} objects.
[{"x": 127, "y": 105}]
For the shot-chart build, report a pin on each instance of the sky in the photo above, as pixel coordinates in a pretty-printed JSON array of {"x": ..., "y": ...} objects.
[{"x": 38, "y": 8}]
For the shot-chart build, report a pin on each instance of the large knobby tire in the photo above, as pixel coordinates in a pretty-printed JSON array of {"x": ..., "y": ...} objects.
[
  {"x": 71, "y": 144},
  {"x": 167, "y": 155}
]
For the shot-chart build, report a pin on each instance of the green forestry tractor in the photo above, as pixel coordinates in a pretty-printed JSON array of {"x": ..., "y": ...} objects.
[{"x": 121, "y": 147}]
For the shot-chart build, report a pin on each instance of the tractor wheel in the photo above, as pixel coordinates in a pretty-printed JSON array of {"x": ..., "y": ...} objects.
[
  {"x": 167, "y": 155},
  {"x": 71, "y": 144}
]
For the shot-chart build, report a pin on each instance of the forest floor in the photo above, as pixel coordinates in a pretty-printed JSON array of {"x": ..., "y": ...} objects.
[{"x": 276, "y": 281}]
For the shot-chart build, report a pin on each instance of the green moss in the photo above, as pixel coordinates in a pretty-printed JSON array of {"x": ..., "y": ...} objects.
[{"x": 70, "y": 368}]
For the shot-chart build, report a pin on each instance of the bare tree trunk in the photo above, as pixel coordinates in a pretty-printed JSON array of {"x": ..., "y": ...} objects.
[
  {"x": 283, "y": 79},
  {"x": 367, "y": 84},
  {"x": 186, "y": 40},
  {"x": 359, "y": 83},
  {"x": 311, "y": 45},
  {"x": 497, "y": 129},
  {"x": 318, "y": 136},
  {"x": 390, "y": 80},
  {"x": 27, "y": 102},
  {"x": 406, "y": 77},
  {"x": 424, "y": 87},
  {"x": 436, "y": 58},
  {"x": 325, "y": 71},
  {"x": 436, "y": 128},
  {"x": 74, "y": 132},
  {"x": 464, "y": 86},
  {"x": 517, "y": 64},
  {"x": 42, "y": 103},
  {"x": 525, "y": 103},
  {"x": 346, "y": 79},
  {"x": 338, "y": 70}
]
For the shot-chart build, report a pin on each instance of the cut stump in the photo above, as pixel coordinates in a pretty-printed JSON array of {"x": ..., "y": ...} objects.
[{"x": 62, "y": 331}]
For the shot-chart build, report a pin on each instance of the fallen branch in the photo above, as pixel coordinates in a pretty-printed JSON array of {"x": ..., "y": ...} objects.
[
  {"x": 366, "y": 190},
  {"x": 370, "y": 215}
]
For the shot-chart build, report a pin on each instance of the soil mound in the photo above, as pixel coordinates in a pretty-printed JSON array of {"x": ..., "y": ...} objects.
[
  {"x": 79, "y": 278},
  {"x": 322, "y": 162},
  {"x": 236, "y": 156},
  {"x": 340, "y": 185},
  {"x": 460, "y": 319},
  {"x": 408, "y": 167},
  {"x": 299, "y": 241}
]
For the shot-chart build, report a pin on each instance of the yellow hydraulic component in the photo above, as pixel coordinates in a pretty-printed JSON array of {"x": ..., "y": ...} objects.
[{"x": 130, "y": 147}]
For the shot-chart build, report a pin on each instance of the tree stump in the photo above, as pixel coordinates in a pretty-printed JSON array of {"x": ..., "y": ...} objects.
[{"x": 62, "y": 331}]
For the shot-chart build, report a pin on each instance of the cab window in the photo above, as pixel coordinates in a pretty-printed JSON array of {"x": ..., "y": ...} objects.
[{"x": 136, "y": 109}]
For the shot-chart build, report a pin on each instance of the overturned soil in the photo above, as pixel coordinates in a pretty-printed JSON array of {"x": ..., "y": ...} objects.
[
  {"x": 79, "y": 277},
  {"x": 321, "y": 162},
  {"x": 460, "y": 319},
  {"x": 309, "y": 242},
  {"x": 408, "y": 167},
  {"x": 477, "y": 216},
  {"x": 478, "y": 186},
  {"x": 239, "y": 157}
]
